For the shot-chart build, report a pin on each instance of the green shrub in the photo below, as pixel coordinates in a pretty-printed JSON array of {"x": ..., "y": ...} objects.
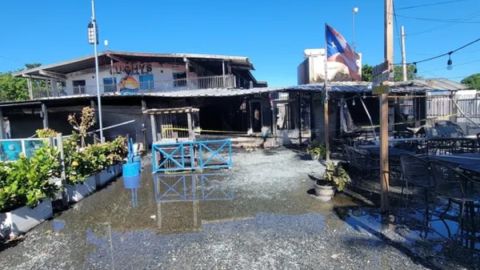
[
  {"x": 117, "y": 150},
  {"x": 76, "y": 165},
  {"x": 26, "y": 180},
  {"x": 80, "y": 163},
  {"x": 337, "y": 175},
  {"x": 46, "y": 133},
  {"x": 317, "y": 149}
]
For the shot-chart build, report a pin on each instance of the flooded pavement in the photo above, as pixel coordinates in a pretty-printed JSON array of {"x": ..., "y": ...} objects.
[{"x": 256, "y": 216}]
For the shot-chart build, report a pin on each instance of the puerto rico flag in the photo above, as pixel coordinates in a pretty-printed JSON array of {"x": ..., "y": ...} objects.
[{"x": 338, "y": 50}]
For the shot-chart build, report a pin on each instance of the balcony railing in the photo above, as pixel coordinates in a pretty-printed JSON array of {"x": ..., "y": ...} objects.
[{"x": 208, "y": 82}]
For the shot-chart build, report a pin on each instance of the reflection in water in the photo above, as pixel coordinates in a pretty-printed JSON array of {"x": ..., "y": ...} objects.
[
  {"x": 178, "y": 195},
  {"x": 132, "y": 183},
  {"x": 433, "y": 235}
]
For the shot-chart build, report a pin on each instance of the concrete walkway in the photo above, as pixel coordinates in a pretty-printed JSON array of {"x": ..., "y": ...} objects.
[{"x": 258, "y": 216}]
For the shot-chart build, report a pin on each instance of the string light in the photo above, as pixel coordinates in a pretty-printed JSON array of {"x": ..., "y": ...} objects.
[{"x": 449, "y": 62}]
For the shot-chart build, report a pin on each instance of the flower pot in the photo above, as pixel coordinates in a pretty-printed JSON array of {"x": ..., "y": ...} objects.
[
  {"x": 23, "y": 219},
  {"x": 324, "y": 191},
  {"x": 77, "y": 192}
]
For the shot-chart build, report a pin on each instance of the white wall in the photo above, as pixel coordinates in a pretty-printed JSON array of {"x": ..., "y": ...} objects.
[
  {"x": 162, "y": 76},
  {"x": 312, "y": 69}
]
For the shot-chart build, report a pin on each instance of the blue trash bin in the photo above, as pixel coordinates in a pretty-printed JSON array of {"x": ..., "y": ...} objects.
[{"x": 131, "y": 175}]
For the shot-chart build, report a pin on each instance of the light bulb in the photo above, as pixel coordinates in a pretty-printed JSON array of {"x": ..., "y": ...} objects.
[{"x": 449, "y": 62}]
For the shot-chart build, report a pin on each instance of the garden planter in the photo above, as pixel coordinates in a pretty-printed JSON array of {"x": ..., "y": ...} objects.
[
  {"x": 58, "y": 183},
  {"x": 117, "y": 169},
  {"x": 77, "y": 192},
  {"x": 23, "y": 219},
  {"x": 104, "y": 177},
  {"x": 324, "y": 191}
]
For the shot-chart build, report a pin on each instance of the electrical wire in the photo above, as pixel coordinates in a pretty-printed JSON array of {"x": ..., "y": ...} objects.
[
  {"x": 399, "y": 35},
  {"x": 443, "y": 54},
  {"x": 431, "y": 4},
  {"x": 458, "y": 20},
  {"x": 456, "y": 65}
]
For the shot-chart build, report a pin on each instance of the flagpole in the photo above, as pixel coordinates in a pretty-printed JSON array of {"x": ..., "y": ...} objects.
[{"x": 325, "y": 103}]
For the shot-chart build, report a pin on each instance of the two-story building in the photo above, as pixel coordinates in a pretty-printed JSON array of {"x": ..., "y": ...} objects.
[{"x": 131, "y": 82}]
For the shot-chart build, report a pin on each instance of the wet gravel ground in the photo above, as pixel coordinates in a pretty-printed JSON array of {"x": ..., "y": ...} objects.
[{"x": 258, "y": 216}]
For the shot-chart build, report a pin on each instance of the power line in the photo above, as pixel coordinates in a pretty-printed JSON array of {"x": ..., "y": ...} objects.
[
  {"x": 453, "y": 66},
  {"x": 431, "y": 4},
  {"x": 444, "y": 54},
  {"x": 456, "y": 20},
  {"x": 397, "y": 28}
]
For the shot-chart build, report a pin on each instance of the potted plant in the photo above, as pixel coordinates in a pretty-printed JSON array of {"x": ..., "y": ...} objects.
[
  {"x": 26, "y": 192},
  {"x": 117, "y": 152},
  {"x": 334, "y": 179},
  {"x": 316, "y": 150}
]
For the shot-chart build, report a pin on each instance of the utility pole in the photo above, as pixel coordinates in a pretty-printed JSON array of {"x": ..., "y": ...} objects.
[
  {"x": 384, "y": 167},
  {"x": 404, "y": 56},
  {"x": 93, "y": 39}
]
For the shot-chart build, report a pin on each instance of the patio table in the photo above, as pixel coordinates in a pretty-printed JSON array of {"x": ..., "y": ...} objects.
[
  {"x": 466, "y": 161},
  {"x": 392, "y": 151}
]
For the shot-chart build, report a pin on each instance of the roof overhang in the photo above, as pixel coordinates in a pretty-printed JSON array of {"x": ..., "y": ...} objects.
[{"x": 60, "y": 69}]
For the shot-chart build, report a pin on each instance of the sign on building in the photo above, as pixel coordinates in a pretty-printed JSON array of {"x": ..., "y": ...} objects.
[{"x": 380, "y": 74}]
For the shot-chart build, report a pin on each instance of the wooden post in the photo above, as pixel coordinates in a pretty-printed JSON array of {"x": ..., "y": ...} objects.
[
  {"x": 63, "y": 174},
  {"x": 154, "y": 127},
  {"x": 30, "y": 87},
  {"x": 250, "y": 116},
  {"x": 326, "y": 125},
  {"x": 404, "y": 56},
  {"x": 312, "y": 118},
  {"x": 223, "y": 73},
  {"x": 274, "y": 121},
  {"x": 186, "y": 71},
  {"x": 191, "y": 135},
  {"x": 299, "y": 118},
  {"x": 144, "y": 123},
  {"x": 45, "y": 115},
  {"x": 384, "y": 166}
]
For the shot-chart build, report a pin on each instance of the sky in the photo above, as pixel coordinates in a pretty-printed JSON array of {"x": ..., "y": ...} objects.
[{"x": 271, "y": 33}]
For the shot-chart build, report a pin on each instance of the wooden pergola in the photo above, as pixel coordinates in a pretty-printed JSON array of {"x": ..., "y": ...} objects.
[{"x": 166, "y": 118}]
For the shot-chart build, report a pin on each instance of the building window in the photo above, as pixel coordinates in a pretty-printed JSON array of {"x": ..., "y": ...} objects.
[
  {"x": 146, "y": 82},
  {"x": 109, "y": 84},
  {"x": 78, "y": 87},
  {"x": 179, "y": 79}
]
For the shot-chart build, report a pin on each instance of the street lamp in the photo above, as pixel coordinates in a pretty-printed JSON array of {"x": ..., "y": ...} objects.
[
  {"x": 93, "y": 39},
  {"x": 354, "y": 12}
]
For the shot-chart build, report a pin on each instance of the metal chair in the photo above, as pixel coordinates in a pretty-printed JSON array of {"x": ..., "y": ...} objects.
[
  {"x": 453, "y": 185},
  {"x": 416, "y": 173}
]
